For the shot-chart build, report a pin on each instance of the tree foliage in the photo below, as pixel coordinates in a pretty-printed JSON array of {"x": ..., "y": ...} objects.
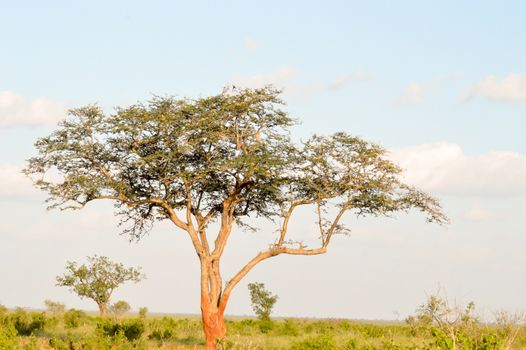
[
  {"x": 143, "y": 312},
  {"x": 262, "y": 300},
  {"x": 119, "y": 308},
  {"x": 171, "y": 154},
  {"x": 54, "y": 307},
  {"x": 98, "y": 279}
]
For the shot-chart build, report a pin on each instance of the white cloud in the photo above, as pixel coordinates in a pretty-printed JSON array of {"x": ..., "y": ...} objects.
[
  {"x": 511, "y": 88},
  {"x": 415, "y": 93},
  {"x": 251, "y": 44},
  {"x": 13, "y": 183},
  {"x": 287, "y": 78},
  {"x": 16, "y": 110},
  {"x": 445, "y": 168},
  {"x": 343, "y": 80},
  {"x": 280, "y": 77},
  {"x": 477, "y": 213}
]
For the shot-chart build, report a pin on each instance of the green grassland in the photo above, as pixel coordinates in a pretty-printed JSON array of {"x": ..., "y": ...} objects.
[{"x": 20, "y": 329}]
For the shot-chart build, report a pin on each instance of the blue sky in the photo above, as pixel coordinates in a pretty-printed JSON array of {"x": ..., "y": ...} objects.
[{"x": 441, "y": 84}]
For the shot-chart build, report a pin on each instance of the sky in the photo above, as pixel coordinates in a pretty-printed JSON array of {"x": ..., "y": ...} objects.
[{"x": 440, "y": 84}]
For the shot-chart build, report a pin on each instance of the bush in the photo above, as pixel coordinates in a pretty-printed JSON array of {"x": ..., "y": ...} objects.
[
  {"x": 59, "y": 344},
  {"x": 266, "y": 326},
  {"x": 131, "y": 329},
  {"x": 289, "y": 327},
  {"x": 3, "y": 315},
  {"x": 243, "y": 327},
  {"x": 8, "y": 338},
  {"x": 345, "y": 325},
  {"x": 162, "y": 329},
  {"x": 372, "y": 331},
  {"x": 351, "y": 344},
  {"x": 74, "y": 318},
  {"x": 317, "y": 343},
  {"x": 54, "y": 307},
  {"x": 324, "y": 327},
  {"x": 143, "y": 312},
  {"x": 25, "y": 323},
  {"x": 3, "y": 310},
  {"x": 52, "y": 321},
  {"x": 101, "y": 342}
]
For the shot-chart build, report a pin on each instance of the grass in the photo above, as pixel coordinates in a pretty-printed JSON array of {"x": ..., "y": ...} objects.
[{"x": 91, "y": 332}]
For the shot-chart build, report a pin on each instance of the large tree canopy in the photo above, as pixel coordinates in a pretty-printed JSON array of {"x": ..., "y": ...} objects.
[{"x": 220, "y": 158}]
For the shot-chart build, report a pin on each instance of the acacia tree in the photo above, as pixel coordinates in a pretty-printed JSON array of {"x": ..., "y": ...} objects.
[
  {"x": 262, "y": 300},
  {"x": 218, "y": 159},
  {"x": 54, "y": 307},
  {"x": 119, "y": 308},
  {"x": 98, "y": 279}
]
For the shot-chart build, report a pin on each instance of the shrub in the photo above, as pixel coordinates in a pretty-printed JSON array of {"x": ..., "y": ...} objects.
[
  {"x": 324, "y": 327},
  {"x": 8, "y": 338},
  {"x": 3, "y": 315},
  {"x": 131, "y": 329},
  {"x": 26, "y": 323},
  {"x": 52, "y": 321},
  {"x": 59, "y": 344},
  {"x": 143, "y": 312},
  {"x": 345, "y": 325},
  {"x": 118, "y": 342},
  {"x": 162, "y": 329},
  {"x": 351, "y": 344},
  {"x": 289, "y": 327},
  {"x": 317, "y": 343},
  {"x": 32, "y": 344},
  {"x": 3, "y": 310},
  {"x": 309, "y": 328},
  {"x": 266, "y": 326},
  {"x": 370, "y": 347},
  {"x": 374, "y": 331},
  {"x": 243, "y": 327},
  {"x": 74, "y": 318},
  {"x": 54, "y": 307}
]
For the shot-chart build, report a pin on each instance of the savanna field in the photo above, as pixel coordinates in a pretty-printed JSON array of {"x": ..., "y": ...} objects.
[
  {"x": 159, "y": 158},
  {"x": 74, "y": 329}
]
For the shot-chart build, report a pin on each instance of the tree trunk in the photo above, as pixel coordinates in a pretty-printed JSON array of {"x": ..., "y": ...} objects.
[
  {"x": 214, "y": 325},
  {"x": 102, "y": 310}
]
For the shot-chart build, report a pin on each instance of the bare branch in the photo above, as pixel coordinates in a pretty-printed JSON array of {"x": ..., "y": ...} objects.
[
  {"x": 265, "y": 255},
  {"x": 286, "y": 218},
  {"x": 334, "y": 225}
]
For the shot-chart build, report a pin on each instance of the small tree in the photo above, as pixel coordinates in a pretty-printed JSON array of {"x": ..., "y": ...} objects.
[
  {"x": 98, "y": 279},
  {"x": 54, "y": 307},
  {"x": 449, "y": 323},
  {"x": 74, "y": 318},
  {"x": 119, "y": 308},
  {"x": 508, "y": 327},
  {"x": 262, "y": 300},
  {"x": 143, "y": 312}
]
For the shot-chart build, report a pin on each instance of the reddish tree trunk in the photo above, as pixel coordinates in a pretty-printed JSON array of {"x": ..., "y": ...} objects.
[
  {"x": 214, "y": 325},
  {"x": 102, "y": 310}
]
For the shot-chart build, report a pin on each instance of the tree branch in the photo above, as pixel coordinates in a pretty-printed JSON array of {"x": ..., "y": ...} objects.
[
  {"x": 334, "y": 225},
  {"x": 263, "y": 256},
  {"x": 284, "y": 227}
]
